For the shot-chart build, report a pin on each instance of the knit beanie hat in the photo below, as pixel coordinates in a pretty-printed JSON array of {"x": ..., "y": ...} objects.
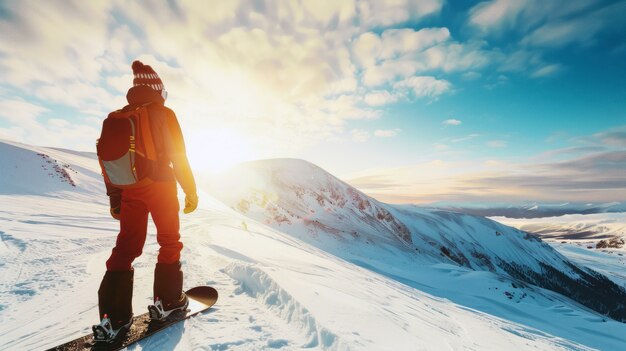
[{"x": 145, "y": 75}]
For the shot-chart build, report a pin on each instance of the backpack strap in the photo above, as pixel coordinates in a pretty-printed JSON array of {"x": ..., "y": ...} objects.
[{"x": 146, "y": 132}]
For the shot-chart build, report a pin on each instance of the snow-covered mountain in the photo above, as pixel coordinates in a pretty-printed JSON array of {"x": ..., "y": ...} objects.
[
  {"x": 302, "y": 199},
  {"x": 530, "y": 209},
  {"x": 605, "y": 230},
  {"x": 337, "y": 291},
  {"x": 29, "y": 170}
]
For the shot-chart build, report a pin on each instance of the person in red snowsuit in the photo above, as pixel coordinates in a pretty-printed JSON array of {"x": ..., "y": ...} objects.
[{"x": 159, "y": 199}]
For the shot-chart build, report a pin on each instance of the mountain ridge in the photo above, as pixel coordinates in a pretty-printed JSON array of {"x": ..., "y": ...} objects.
[{"x": 302, "y": 199}]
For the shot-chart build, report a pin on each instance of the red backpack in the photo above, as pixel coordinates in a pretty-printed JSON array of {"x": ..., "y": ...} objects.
[{"x": 126, "y": 149}]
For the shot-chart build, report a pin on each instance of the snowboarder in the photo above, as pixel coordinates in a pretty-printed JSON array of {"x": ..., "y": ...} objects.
[{"x": 131, "y": 207}]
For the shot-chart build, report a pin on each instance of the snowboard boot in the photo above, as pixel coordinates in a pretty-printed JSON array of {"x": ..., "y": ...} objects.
[
  {"x": 115, "y": 305},
  {"x": 168, "y": 291}
]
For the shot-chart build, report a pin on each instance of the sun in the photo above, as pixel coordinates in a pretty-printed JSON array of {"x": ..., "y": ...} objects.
[{"x": 215, "y": 150}]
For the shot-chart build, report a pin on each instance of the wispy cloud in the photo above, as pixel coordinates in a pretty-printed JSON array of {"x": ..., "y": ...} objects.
[
  {"x": 497, "y": 143},
  {"x": 561, "y": 182},
  {"x": 19, "y": 111},
  {"x": 535, "y": 27},
  {"x": 29, "y": 124},
  {"x": 452, "y": 122},
  {"x": 398, "y": 54},
  {"x": 546, "y": 70},
  {"x": 465, "y": 138},
  {"x": 379, "y": 98},
  {"x": 386, "y": 133},
  {"x": 425, "y": 86},
  {"x": 568, "y": 151},
  {"x": 613, "y": 137},
  {"x": 494, "y": 14},
  {"x": 378, "y": 13},
  {"x": 359, "y": 135},
  {"x": 548, "y": 24},
  {"x": 580, "y": 173}
]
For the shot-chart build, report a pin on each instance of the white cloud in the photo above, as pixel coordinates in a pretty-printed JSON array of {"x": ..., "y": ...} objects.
[
  {"x": 389, "y": 71},
  {"x": 12, "y": 133},
  {"x": 299, "y": 71},
  {"x": 612, "y": 137},
  {"x": 465, "y": 138},
  {"x": 379, "y": 98},
  {"x": 359, "y": 135},
  {"x": 398, "y": 42},
  {"x": 386, "y": 13},
  {"x": 546, "y": 71},
  {"x": 593, "y": 172},
  {"x": 225, "y": 63},
  {"x": 547, "y": 24},
  {"x": 556, "y": 34},
  {"x": 452, "y": 122},
  {"x": 20, "y": 112},
  {"x": 458, "y": 57},
  {"x": 493, "y": 14},
  {"x": 80, "y": 95},
  {"x": 53, "y": 41},
  {"x": 425, "y": 86},
  {"x": 347, "y": 106},
  {"x": 370, "y": 48},
  {"x": 27, "y": 124},
  {"x": 520, "y": 60},
  {"x": 120, "y": 83},
  {"x": 389, "y": 133},
  {"x": 401, "y": 53},
  {"x": 471, "y": 75},
  {"x": 326, "y": 11},
  {"x": 366, "y": 49}
]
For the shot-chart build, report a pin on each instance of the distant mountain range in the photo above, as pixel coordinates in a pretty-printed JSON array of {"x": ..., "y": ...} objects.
[
  {"x": 528, "y": 209},
  {"x": 590, "y": 229}
]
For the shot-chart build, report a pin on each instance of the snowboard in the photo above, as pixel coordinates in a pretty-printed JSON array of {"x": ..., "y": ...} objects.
[{"x": 201, "y": 298}]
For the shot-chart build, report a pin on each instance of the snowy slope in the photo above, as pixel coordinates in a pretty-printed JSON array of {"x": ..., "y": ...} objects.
[
  {"x": 30, "y": 170},
  {"x": 580, "y": 228},
  {"x": 276, "y": 291},
  {"x": 581, "y": 238},
  {"x": 301, "y": 199},
  {"x": 611, "y": 263},
  {"x": 308, "y": 202}
]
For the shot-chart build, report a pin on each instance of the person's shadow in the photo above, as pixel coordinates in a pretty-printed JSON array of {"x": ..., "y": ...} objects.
[{"x": 161, "y": 338}]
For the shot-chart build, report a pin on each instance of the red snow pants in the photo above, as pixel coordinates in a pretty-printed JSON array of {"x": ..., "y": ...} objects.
[{"x": 160, "y": 200}]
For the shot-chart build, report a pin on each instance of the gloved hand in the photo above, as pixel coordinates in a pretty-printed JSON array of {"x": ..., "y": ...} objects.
[
  {"x": 115, "y": 212},
  {"x": 191, "y": 203}
]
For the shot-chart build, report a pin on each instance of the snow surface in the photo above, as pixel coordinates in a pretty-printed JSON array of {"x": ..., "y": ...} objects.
[
  {"x": 276, "y": 290},
  {"x": 303, "y": 200},
  {"x": 575, "y": 227},
  {"x": 611, "y": 263},
  {"x": 529, "y": 209},
  {"x": 576, "y": 237}
]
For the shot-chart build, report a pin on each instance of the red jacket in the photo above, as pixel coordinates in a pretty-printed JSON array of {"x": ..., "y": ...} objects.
[{"x": 172, "y": 163}]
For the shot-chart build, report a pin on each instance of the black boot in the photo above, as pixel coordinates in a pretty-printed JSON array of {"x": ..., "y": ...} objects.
[
  {"x": 168, "y": 290},
  {"x": 115, "y": 298}
]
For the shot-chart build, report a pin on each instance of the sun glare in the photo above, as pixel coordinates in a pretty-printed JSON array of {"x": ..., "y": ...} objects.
[{"x": 217, "y": 149}]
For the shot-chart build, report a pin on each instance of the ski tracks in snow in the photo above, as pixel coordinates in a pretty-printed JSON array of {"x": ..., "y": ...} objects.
[{"x": 253, "y": 312}]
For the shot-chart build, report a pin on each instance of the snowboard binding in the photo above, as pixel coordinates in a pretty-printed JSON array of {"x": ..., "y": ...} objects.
[
  {"x": 158, "y": 313},
  {"x": 104, "y": 332}
]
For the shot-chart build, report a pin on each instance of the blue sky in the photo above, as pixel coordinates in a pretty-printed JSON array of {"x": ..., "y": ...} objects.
[{"x": 411, "y": 101}]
